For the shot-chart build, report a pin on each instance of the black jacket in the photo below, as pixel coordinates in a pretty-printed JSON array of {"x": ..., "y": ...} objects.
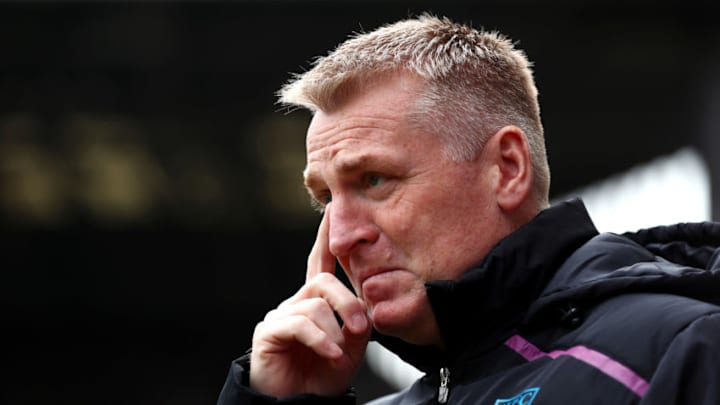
[{"x": 559, "y": 314}]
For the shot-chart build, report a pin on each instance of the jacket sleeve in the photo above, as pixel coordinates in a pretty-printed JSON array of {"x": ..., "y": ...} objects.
[
  {"x": 689, "y": 372},
  {"x": 236, "y": 391}
]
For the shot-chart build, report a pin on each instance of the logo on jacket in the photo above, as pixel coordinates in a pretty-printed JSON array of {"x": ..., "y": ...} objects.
[{"x": 524, "y": 398}]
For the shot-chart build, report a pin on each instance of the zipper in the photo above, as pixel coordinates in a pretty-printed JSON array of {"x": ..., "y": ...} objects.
[{"x": 444, "y": 389}]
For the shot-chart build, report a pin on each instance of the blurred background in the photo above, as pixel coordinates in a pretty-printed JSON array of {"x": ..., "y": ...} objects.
[{"x": 151, "y": 202}]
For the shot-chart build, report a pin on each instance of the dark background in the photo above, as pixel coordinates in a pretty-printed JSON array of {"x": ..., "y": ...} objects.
[{"x": 150, "y": 197}]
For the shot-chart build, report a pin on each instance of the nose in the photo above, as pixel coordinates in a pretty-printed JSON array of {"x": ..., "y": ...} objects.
[{"x": 351, "y": 226}]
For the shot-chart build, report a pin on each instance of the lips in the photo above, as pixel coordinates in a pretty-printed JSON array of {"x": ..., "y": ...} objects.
[{"x": 370, "y": 274}]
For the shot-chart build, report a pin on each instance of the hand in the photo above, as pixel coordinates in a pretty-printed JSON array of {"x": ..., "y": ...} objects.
[{"x": 300, "y": 347}]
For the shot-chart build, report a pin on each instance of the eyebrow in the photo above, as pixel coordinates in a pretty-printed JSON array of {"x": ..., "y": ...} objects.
[
  {"x": 344, "y": 166},
  {"x": 310, "y": 179}
]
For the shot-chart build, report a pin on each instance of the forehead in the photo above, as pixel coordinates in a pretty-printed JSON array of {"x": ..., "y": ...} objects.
[
  {"x": 388, "y": 97},
  {"x": 369, "y": 126},
  {"x": 330, "y": 133},
  {"x": 350, "y": 143}
]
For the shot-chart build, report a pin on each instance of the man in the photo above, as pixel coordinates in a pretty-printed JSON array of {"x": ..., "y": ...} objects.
[{"x": 426, "y": 155}]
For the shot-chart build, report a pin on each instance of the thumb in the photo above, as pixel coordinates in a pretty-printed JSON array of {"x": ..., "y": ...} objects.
[{"x": 355, "y": 343}]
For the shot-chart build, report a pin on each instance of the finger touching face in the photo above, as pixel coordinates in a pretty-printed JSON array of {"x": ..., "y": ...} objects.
[
  {"x": 320, "y": 259},
  {"x": 397, "y": 214},
  {"x": 321, "y": 281}
]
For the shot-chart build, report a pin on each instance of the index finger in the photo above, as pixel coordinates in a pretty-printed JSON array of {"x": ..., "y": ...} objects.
[{"x": 320, "y": 259}]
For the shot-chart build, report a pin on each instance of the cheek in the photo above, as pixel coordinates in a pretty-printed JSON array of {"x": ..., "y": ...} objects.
[
  {"x": 448, "y": 238},
  {"x": 433, "y": 225},
  {"x": 419, "y": 239}
]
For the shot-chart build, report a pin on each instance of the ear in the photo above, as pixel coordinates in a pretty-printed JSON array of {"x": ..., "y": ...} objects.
[{"x": 514, "y": 168}]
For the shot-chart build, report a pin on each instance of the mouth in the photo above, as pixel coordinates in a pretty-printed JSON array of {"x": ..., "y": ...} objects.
[
  {"x": 384, "y": 284},
  {"x": 374, "y": 274}
]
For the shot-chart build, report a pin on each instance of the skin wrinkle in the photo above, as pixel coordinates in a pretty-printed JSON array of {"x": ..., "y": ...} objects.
[
  {"x": 388, "y": 225},
  {"x": 498, "y": 82},
  {"x": 347, "y": 166},
  {"x": 356, "y": 127},
  {"x": 422, "y": 160}
]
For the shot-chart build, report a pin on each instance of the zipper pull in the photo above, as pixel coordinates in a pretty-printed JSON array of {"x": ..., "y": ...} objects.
[{"x": 444, "y": 390}]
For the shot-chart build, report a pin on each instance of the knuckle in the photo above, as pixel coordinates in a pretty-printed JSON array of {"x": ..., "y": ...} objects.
[
  {"x": 273, "y": 314},
  {"x": 316, "y": 338},
  {"x": 307, "y": 307},
  {"x": 317, "y": 304},
  {"x": 299, "y": 324},
  {"x": 260, "y": 330},
  {"x": 284, "y": 304},
  {"x": 314, "y": 308},
  {"x": 324, "y": 278}
]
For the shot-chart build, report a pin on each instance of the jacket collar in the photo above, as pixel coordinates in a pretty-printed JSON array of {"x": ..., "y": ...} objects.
[{"x": 481, "y": 309}]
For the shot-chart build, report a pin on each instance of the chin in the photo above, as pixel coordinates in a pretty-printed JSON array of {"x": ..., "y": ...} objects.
[{"x": 404, "y": 322}]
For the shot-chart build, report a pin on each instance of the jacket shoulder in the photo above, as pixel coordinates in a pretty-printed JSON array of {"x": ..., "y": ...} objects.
[
  {"x": 638, "y": 329},
  {"x": 688, "y": 372}
]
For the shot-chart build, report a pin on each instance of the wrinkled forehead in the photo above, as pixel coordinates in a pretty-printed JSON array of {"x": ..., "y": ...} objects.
[{"x": 347, "y": 142}]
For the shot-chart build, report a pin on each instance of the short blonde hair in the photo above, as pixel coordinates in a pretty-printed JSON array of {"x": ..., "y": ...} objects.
[{"x": 476, "y": 83}]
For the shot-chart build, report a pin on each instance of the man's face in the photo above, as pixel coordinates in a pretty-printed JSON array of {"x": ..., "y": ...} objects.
[{"x": 400, "y": 214}]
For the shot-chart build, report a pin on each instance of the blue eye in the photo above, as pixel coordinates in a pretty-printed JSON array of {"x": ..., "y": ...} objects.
[{"x": 374, "y": 180}]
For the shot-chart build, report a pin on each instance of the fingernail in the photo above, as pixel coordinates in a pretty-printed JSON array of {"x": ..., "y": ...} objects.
[
  {"x": 359, "y": 322},
  {"x": 334, "y": 350}
]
